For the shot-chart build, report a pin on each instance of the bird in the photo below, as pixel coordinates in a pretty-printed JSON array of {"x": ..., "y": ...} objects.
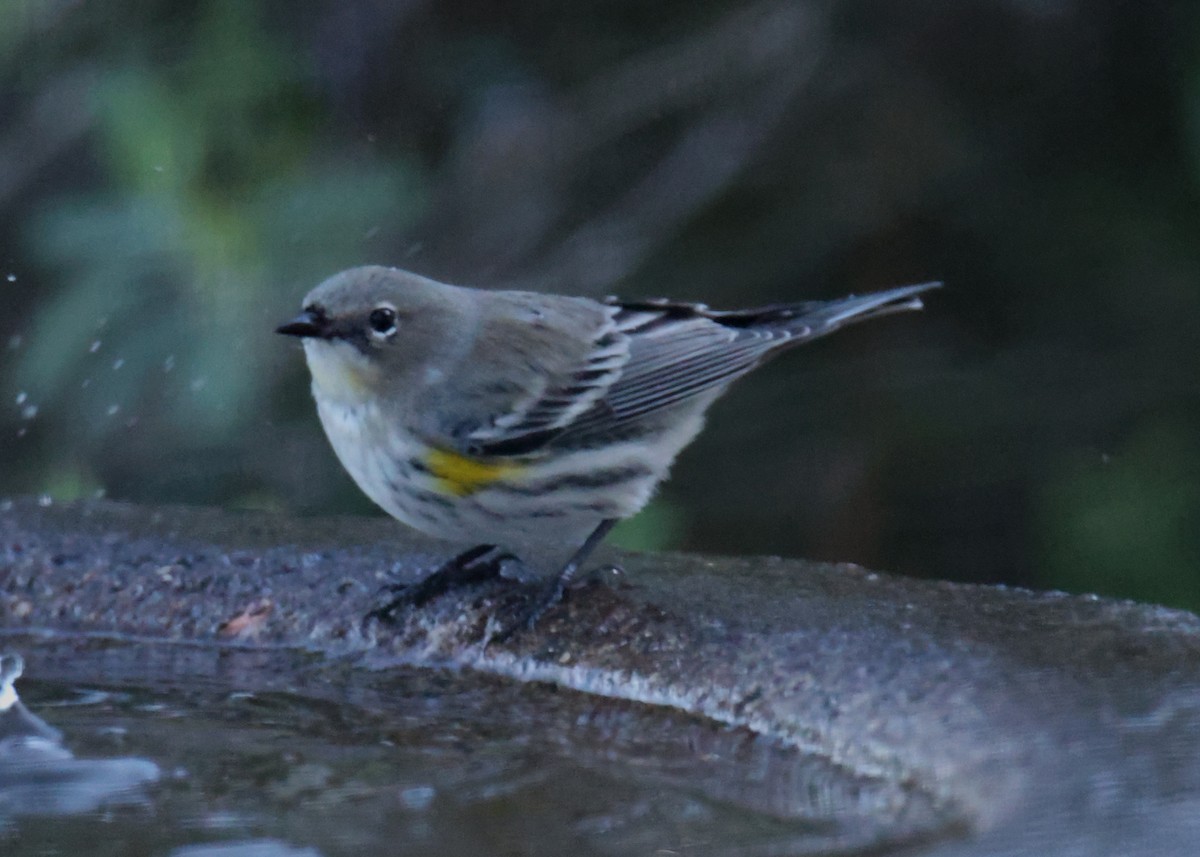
[{"x": 517, "y": 418}]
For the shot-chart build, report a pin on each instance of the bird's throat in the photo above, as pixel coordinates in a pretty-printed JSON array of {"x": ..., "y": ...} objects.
[{"x": 339, "y": 371}]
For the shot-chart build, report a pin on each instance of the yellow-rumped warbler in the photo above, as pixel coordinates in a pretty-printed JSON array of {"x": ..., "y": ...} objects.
[{"x": 519, "y": 418}]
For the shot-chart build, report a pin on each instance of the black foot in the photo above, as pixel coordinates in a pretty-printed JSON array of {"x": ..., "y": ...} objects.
[
  {"x": 556, "y": 592},
  {"x": 480, "y": 563},
  {"x": 531, "y": 612}
]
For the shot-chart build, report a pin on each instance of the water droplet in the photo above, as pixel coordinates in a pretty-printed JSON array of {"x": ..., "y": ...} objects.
[
  {"x": 22, "y": 431},
  {"x": 417, "y": 797},
  {"x": 21, "y": 397},
  {"x": 87, "y": 382},
  {"x": 45, "y": 500},
  {"x": 94, "y": 347},
  {"x": 198, "y": 384},
  {"x": 12, "y": 278},
  {"x": 14, "y": 342},
  {"x": 169, "y": 363},
  {"x": 118, "y": 363},
  {"x": 112, "y": 410},
  {"x": 29, "y": 411}
]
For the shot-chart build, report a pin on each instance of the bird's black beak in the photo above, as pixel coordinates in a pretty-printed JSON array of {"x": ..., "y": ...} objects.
[{"x": 310, "y": 323}]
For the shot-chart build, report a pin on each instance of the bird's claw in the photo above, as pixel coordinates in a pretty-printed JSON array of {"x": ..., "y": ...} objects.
[
  {"x": 480, "y": 563},
  {"x": 529, "y": 614},
  {"x": 556, "y": 592}
]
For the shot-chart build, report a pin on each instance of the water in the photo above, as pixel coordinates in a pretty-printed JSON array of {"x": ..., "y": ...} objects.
[{"x": 234, "y": 756}]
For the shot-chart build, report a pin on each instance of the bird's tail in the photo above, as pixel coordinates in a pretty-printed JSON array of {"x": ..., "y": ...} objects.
[
  {"x": 828, "y": 316},
  {"x": 804, "y": 321}
]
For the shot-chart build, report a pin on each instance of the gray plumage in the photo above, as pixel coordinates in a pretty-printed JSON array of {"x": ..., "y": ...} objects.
[{"x": 589, "y": 401}]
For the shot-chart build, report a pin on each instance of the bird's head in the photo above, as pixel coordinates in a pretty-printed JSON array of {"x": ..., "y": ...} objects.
[{"x": 372, "y": 328}]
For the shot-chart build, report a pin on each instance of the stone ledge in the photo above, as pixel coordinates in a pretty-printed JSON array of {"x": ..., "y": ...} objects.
[{"x": 1044, "y": 720}]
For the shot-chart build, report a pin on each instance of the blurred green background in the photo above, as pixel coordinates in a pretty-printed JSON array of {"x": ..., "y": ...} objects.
[{"x": 174, "y": 176}]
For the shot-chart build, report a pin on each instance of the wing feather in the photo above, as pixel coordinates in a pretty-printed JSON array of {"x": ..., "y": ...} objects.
[
  {"x": 633, "y": 360},
  {"x": 533, "y": 378}
]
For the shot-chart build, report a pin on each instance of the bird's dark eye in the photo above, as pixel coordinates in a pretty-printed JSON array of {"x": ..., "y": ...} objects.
[{"x": 382, "y": 320}]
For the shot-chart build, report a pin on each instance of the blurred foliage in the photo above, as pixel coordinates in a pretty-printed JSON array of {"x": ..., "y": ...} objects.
[
  {"x": 1125, "y": 524},
  {"x": 216, "y": 206},
  {"x": 174, "y": 176},
  {"x": 661, "y": 524}
]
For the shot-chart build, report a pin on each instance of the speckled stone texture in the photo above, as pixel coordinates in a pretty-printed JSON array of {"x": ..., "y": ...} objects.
[{"x": 1039, "y": 723}]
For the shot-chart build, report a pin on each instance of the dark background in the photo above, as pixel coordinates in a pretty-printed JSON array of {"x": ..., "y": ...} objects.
[{"x": 175, "y": 176}]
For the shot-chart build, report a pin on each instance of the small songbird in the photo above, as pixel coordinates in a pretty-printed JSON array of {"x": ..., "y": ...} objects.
[{"x": 522, "y": 419}]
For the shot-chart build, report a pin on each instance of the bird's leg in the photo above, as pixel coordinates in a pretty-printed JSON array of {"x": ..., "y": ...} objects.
[
  {"x": 482, "y": 562},
  {"x": 557, "y": 588}
]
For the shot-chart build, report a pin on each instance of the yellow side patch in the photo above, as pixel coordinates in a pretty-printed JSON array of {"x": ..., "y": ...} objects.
[{"x": 463, "y": 476}]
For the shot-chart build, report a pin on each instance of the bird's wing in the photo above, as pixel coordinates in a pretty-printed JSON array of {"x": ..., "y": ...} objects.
[
  {"x": 633, "y": 360},
  {"x": 642, "y": 358},
  {"x": 678, "y": 351},
  {"x": 536, "y": 364}
]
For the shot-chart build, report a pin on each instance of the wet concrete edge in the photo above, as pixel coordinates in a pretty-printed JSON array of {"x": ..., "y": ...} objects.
[{"x": 1030, "y": 714}]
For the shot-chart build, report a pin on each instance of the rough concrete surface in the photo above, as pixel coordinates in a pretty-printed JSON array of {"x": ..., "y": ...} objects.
[{"x": 1035, "y": 721}]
